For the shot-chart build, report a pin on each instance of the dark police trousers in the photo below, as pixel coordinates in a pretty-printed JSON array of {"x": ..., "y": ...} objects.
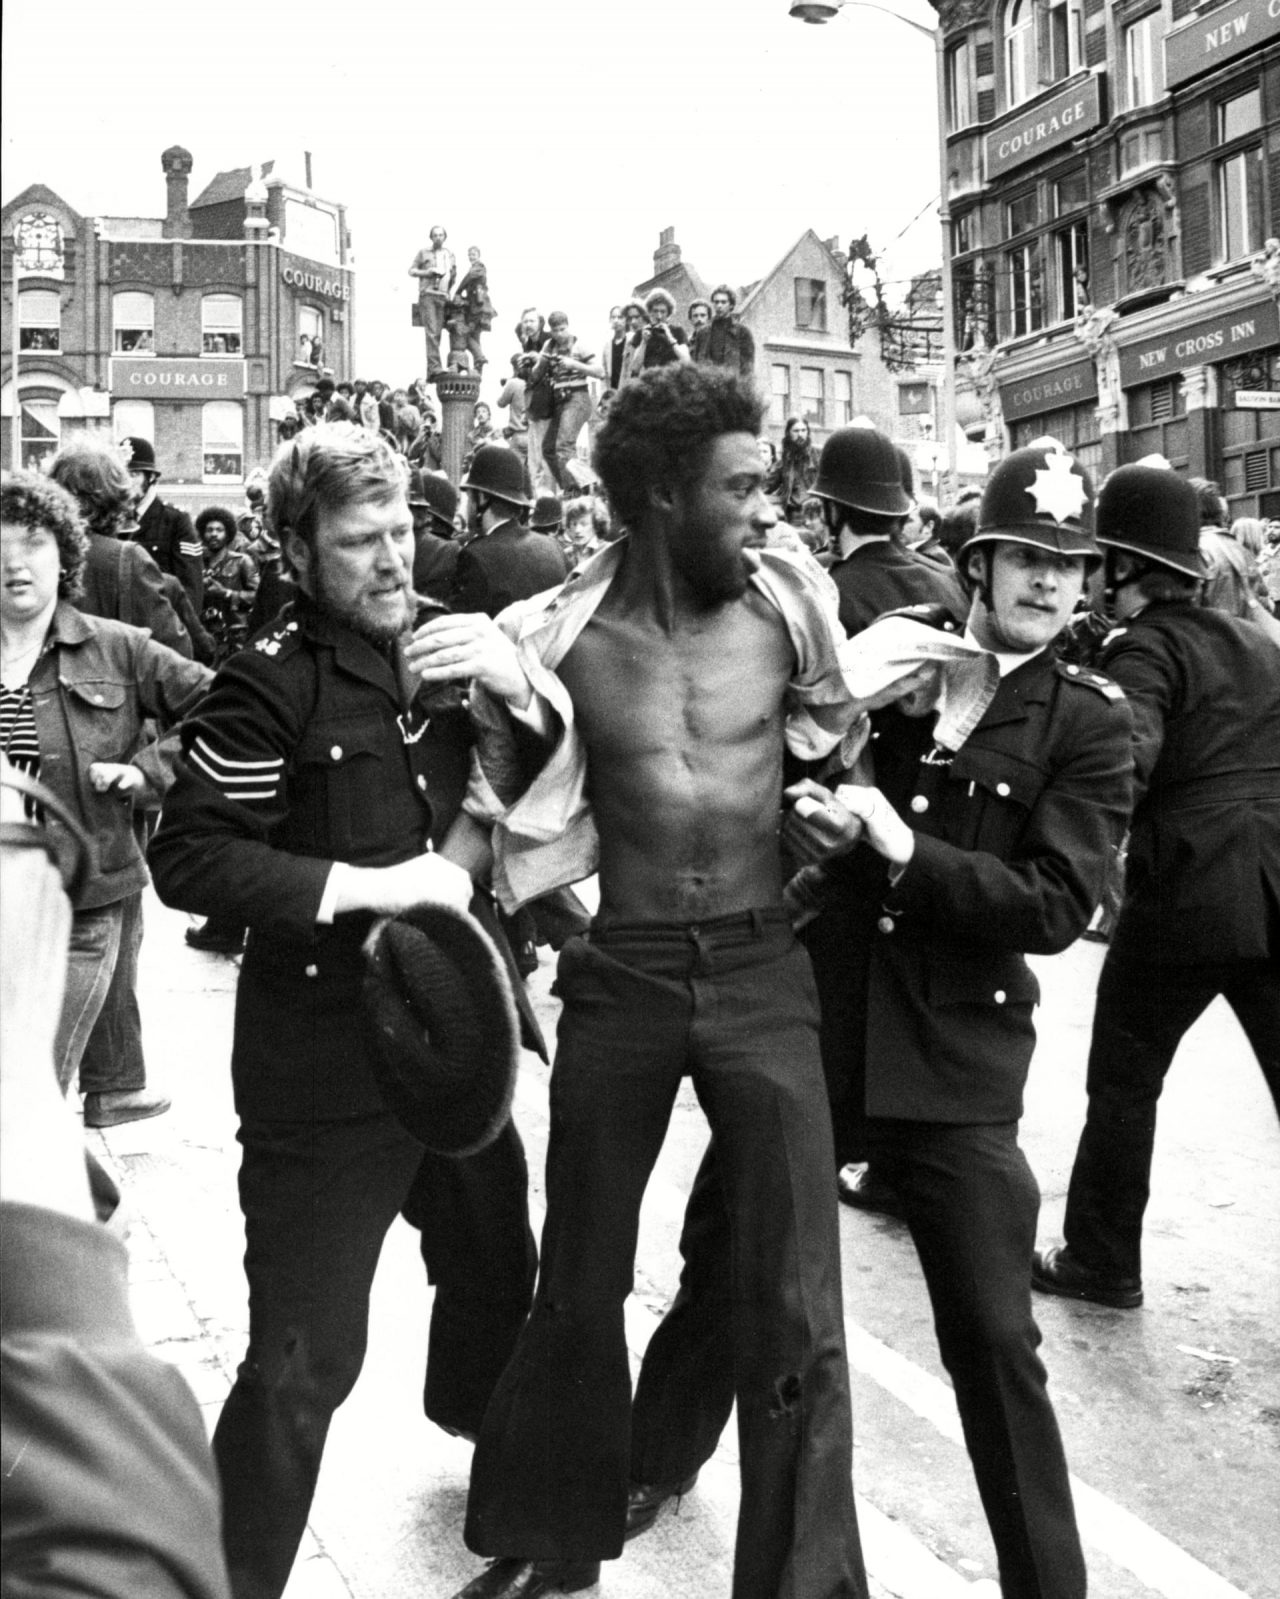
[
  {"x": 732, "y": 1003},
  {"x": 971, "y": 1204},
  {"x": 318, "y": 1198},
  {"x": 1142, "y": 1013}
]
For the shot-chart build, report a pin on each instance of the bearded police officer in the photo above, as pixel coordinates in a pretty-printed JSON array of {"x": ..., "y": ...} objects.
[
  {"x": 1201, "y": 914},
  {"x": 313, "y": 785},
  {"x": 952, "y": 868}
]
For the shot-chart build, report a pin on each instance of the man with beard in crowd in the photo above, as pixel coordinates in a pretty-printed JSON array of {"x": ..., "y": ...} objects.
[
  {"x": 319, "y": 789},
  {"x": 968, "y": 853},
  {"x": 678, "y": 665}
]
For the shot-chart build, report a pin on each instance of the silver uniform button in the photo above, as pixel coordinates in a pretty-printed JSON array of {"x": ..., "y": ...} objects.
[
  {"x": 335, "y": 754},
  {"x": 919, "y": 804},
  {"x": 422, "y": 782},
  {"x": 1000, "y": 996},
  {"x": 1003, "y": 790},
  {"x": 1073, "y": 671},
  {"x": 885, "y": 924},
  {"x": 313, "y": 971}
]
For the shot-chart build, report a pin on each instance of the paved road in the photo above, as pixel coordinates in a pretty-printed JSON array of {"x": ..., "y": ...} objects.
[{"x": 1172, "y": 1413}]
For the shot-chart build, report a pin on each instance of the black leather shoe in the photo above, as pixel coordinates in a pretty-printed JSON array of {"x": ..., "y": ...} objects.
[
  {"x": 1057, "y": 1271},
  {"x": 515, "y": 1578},
  {"x": 646, "y": 1499},
  {"x": 216, "y": 937},
  {"x": 860, "y": 1187}
]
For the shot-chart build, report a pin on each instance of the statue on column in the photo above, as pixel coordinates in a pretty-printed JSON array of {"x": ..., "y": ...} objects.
[
  {"x": 436, "y": 270},
  {"x": 471, "y": 313}
]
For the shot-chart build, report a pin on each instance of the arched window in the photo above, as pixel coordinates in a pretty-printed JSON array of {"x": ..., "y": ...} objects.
[
  {"x": 1021, "y": 78},
  {"x": 221, "y": 319},
  {"x": 133, "y": 321}
]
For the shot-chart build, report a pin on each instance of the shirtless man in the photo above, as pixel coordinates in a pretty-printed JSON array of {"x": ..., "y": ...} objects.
[{"x": 678, "y": 663}]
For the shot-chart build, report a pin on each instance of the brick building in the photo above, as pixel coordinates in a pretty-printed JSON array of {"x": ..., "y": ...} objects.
[
  {"x": 197, "y": 330},
  {"x": 1115, "y": 201}
]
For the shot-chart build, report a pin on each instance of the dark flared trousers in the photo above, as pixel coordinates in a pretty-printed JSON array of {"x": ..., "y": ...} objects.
[
  {"x": 318, "y": 1199},
  {"x": 971, "y": 1204},
  {"x": 732, "y": 1003}
]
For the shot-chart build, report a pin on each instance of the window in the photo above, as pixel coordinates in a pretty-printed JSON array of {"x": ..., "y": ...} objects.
[
  {"x": 812, "y": 407},
  {"x": 1157, "y": 422},
  {"x": 811, "y": 304},
  {"x": 842, "y": 398},
  {"x": 780, "y": 392},
  {"x": 1072, "y": 249},
  {"x": 1021, "y": 77},
  {"x": 1141, "y": 60},
  {"x": 222, "y": 428},
  {"x": 1238, "y": 177},
  {"x": 1141, "y": 147},
  {"x": 1063, "y": 39},
  {"x": 1026, "y": 301},
  {"x": 960, "y": 86},
  {"x": 964, "y": 233},
  {"x": 1075, "y": 427},
  {"x": 220, "y": 324},
  {"x": 133, "y": 317},
  {"x": 1239, "y": 116},
  {"x": 134, "y": 419},
  {"x": 41, "y": 431},
  {"x": 1021, "y": 214},
  {"x": 310, "y": 337},
  {"x": 39, "y": 320},
  {"x": 1043, "y": 42},
  {"x": 1070, "y": 192}
]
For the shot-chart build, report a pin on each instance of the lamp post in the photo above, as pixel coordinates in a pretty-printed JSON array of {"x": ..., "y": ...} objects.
[{"x": 820, "y": 11}]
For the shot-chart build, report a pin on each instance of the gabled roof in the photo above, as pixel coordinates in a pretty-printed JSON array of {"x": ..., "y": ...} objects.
[
  {"x": 777, "y": 267},
  {"x": 36, "y": 194},
  {"x": 228, "y": 185}
]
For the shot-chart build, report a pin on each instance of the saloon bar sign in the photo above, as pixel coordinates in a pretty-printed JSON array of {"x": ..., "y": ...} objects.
[
  {"x": 161, "y": 379},
  {"x": 1202, "y": 343},
  {"x": 312, "y": 279},
  {"x": 1053, "y": 122},
  {"x": 1071, "y": 384},
  {"x": 1219, "y": 36}
]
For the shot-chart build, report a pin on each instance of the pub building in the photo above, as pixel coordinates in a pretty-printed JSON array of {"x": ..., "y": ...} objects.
[
  {"x": 1114, "y": 190},
  {"x": 197, "y": 330}
]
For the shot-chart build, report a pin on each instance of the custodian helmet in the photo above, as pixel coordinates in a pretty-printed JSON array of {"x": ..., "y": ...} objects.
[
  {"x": 1152, "y": 512},
  {"x": 859, "y": 467}
]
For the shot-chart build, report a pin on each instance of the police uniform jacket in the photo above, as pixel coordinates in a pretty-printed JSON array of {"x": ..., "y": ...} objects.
[
  {"x": 507, "y": 565},
  {"x": 882, "y": 577},
  {"x": 1203, "y": 870},
  {"x": 310, "y": 748},
  {"x": 170, "y": 538},
  {"x": 1012, "y": 838}
]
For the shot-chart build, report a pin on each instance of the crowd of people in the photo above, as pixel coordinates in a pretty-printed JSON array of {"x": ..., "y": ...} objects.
[{"x": 801, "y": 724}]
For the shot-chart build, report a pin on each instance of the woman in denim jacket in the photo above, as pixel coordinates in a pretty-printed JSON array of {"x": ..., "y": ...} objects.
[{"x": 75, "y": 691}]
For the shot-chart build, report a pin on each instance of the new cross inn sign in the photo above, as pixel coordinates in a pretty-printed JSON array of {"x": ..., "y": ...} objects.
[
  {"x": 1067, "y": 115},
  {"x": 1218, "y": 36}
]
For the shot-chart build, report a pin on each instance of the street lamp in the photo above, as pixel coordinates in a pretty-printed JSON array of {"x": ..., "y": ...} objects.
[{"x": 819, "y": 11}]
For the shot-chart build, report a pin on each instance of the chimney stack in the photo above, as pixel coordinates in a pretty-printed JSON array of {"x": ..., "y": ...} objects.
[
  {"x": 667, "y": 255},
  {"x": 177, "y": 164}
]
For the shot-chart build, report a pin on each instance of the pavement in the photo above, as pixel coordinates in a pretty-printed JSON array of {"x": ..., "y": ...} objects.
[{"x": 1171, "y": 1415}]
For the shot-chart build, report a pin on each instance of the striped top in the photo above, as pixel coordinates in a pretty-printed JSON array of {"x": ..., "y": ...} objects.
[{"x": 18, "y": 737}]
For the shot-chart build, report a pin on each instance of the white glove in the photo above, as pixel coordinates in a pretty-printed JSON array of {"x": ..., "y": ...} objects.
[
  {"x": 885, "y": 830},
  {"x": 425, "y": 880}
]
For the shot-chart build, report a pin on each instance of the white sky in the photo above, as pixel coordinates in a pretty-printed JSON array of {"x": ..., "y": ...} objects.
[{"x": 559, "y": 135}]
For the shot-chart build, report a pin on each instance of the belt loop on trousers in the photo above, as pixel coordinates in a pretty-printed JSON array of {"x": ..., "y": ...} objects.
[{"x": 757, "y": 923}]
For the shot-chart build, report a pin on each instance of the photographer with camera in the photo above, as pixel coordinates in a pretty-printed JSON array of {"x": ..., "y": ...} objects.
[
  {"x": 661, "y": 343},
  {"x": 566, "y": 365}
]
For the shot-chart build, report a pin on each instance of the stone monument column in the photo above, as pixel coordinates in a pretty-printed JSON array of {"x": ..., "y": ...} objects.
[{"x": 458, "y": 393}]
